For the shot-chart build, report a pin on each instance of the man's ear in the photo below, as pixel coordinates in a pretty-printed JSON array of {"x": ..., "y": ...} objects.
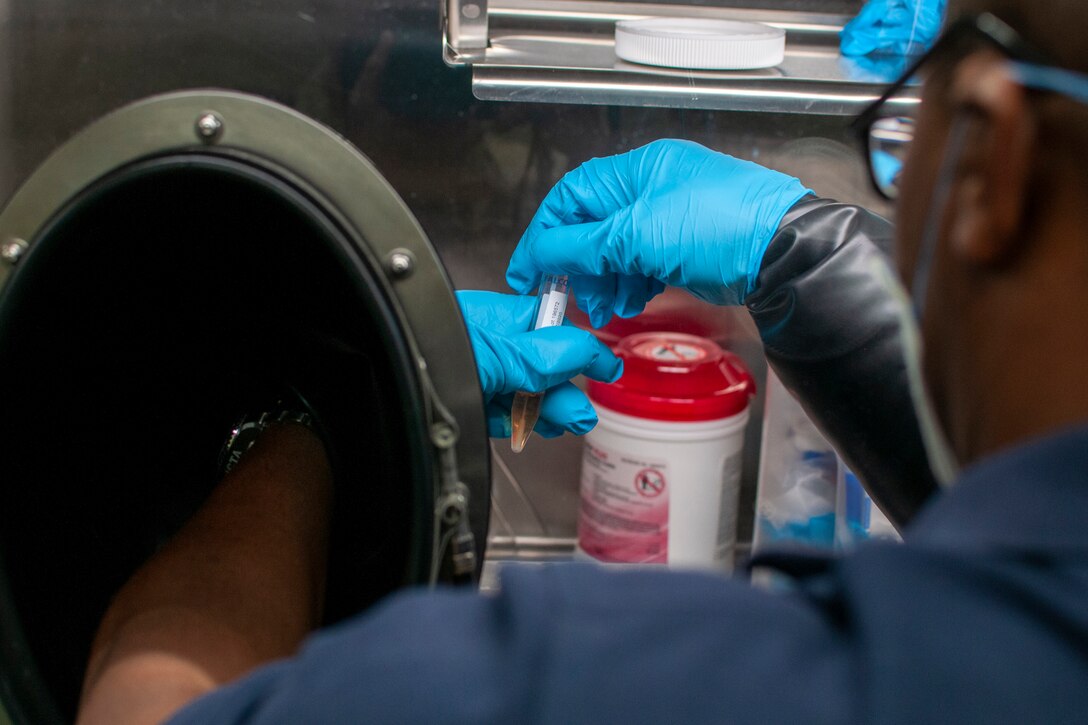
[{"x": 992, "y": 180}]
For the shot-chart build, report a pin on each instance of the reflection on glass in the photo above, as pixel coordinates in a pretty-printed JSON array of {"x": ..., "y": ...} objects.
[{"x": 889, "y": 142}]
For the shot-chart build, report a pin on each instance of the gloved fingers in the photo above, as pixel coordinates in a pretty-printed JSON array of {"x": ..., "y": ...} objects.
[
  {"x": 535, "y": 249},
  {"x": 508, "y": 360},
  {"x": 606, "y": 367},
  {"x": 596, "y": 296},
  {"x": 544, "y": 429},
  {"x": 489, "y": 317},
  {"x": 633, "y": 292},
  {"x": 565, "y": 408},
  {"x": 557, "y": 354},
  {"x": 496, "y": 311},
  {"x": 592, "y": 192},
  {"x": 602, "y": 295},
  {"x": 702, "y": 221},
  {"x": 592, "y": 248},
  {"x": 541, "y": 359}
]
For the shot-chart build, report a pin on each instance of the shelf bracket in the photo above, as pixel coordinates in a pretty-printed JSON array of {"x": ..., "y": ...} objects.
[{"x": 464, "y": 30}]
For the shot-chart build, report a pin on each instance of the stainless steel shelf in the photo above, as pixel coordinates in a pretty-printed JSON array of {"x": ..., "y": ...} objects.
[{"x": 562, "y": 51}]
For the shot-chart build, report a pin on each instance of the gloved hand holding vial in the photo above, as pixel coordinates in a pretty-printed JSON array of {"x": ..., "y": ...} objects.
[
  {"x": 551, "y": 309},
  {"x": 512, "y": 356}
]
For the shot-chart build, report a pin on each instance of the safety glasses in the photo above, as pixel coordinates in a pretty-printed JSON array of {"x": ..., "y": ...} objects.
[{"x": 886, "y": 128}]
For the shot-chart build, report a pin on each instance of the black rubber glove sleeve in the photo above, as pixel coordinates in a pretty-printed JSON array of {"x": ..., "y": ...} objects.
[{"x": 831, "y": 332}]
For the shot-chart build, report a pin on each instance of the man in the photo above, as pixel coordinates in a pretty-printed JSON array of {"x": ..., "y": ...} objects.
[{"x": 980, "y": 616}]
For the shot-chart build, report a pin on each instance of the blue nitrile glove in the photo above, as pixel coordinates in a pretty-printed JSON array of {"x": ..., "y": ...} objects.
[
  {"x": 509, "y": 358},
  {"x": 672, "y": 212},
  {"x": 895, "y": 27}
]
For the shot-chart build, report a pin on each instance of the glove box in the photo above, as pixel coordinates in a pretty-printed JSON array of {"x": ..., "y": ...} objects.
[{"x": 163, "y": 272}]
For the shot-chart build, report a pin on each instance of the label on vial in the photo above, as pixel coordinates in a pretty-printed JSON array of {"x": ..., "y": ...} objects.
[
  {"x": 625, "y": 507},
  {"x": 553, "y": 305}
]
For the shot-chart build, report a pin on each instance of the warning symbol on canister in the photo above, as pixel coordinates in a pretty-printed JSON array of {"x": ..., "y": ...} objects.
[{"x": 650, "y": 483}]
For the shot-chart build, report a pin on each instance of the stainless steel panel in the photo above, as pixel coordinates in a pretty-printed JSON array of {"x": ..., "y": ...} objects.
[
  {"x": 562, "y": 51},
  {"x": 471, "y": 171},
  {"x": 464, "y": 27},
  {"x": 801, "y": 18}
]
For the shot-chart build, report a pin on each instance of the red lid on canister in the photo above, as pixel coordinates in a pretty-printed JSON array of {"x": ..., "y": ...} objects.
[{"x": 676, "y": 377}]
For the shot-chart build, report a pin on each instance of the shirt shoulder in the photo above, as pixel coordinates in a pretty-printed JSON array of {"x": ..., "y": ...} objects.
[{"x": 567, "y": 643}]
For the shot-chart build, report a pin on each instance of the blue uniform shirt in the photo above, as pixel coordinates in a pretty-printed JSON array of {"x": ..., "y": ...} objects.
[{"x": 980, "y": 616}]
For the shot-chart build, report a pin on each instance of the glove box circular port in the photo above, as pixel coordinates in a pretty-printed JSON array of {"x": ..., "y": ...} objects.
[{"x": 174, "y": 266}]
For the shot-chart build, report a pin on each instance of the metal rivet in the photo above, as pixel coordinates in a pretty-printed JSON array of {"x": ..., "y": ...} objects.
[
  {"x": 452, "y": 508},
  {"x": 401, "y": 263},
  {"x": 443, "y": 435},
  {"x": 209, "y": 127},
  {"x": 12, "y": 250},
  {"x": 471, "y": 11}
]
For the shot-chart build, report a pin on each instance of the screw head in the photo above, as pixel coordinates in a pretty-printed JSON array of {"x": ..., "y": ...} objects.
[
  {"x": 471, "y": 11},
  {"x": 12, "y": 250},
  {"x": 209, "y": 127},
  {"x": 443, "y": 435},
  {"x": 401, "y": 263}
]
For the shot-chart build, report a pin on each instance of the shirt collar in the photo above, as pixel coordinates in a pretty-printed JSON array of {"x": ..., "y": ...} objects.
[{"x": 1031, "y": 497}]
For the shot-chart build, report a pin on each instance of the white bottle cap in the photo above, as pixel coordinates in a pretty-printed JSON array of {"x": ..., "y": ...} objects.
[{"x": 700, "y": 44}]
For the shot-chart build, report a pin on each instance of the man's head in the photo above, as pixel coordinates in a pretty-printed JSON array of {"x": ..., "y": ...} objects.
[{"x": 1006, "y": 322}]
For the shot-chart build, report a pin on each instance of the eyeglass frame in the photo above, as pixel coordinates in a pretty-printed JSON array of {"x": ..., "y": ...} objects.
[{"x": 984, "y": 26}]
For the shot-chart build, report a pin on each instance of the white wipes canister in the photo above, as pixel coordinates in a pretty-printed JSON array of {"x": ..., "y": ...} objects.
[{"x": 661, "y": 471}]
